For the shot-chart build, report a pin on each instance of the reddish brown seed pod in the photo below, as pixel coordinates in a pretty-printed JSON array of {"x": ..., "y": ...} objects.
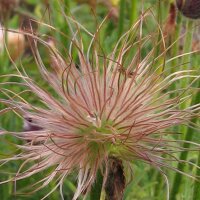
[{"x": 189, "y": 8}]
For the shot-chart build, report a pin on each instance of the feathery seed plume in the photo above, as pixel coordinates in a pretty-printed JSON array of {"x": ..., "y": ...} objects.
[{"x": 108, "y": 112}]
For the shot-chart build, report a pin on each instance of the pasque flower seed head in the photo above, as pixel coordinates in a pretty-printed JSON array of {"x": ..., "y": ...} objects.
[{"x": 109, "y": 110}]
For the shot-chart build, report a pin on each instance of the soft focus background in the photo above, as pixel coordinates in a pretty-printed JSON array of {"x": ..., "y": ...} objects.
[{"x": 178, "y": 30}]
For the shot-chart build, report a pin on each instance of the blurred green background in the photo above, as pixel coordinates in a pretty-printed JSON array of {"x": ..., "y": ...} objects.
[{"x": 147, "y": 183}]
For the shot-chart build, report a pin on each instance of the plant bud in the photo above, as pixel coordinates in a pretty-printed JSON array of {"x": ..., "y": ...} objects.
[
  {"x": 189, "y": 8},
  {"x": 15, "y": 43}
]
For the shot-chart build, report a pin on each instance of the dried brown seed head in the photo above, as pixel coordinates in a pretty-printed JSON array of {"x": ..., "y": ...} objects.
[{"x": 189, "y": 8}]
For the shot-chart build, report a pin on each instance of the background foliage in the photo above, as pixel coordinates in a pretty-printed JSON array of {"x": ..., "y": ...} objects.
[{"x": 147, "y": 183}]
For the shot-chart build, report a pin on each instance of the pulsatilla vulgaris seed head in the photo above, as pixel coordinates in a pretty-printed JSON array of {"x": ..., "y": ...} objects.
[{"x": 100, "y": 112}]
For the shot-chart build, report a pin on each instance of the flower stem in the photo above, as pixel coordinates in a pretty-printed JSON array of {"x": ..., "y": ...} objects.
[
  {"x": 121, "y": 17},
  {"x": 188, "y": 132},
  {"x": 133, "y": 12},
  {"x": 115, "y": 181},
  {"x": 183, "y": 156},
  {"x": 196, "y": 193},
  {"x": 97, "y": 187}
]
